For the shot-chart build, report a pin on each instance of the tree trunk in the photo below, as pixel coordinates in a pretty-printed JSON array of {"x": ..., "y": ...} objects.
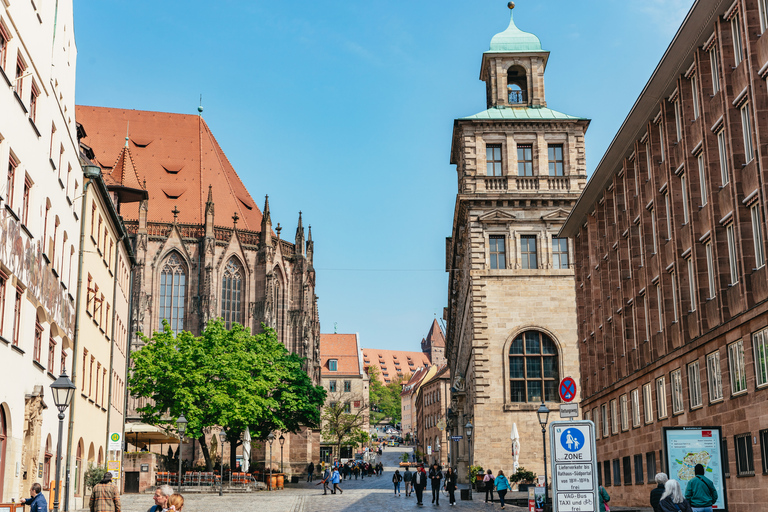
[
  {"x": 206, "y": 453},
  {"x": 233, "y": 444}
]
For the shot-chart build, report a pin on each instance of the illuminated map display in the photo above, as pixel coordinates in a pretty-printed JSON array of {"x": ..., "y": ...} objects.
[{"x": 687, "y": 446}]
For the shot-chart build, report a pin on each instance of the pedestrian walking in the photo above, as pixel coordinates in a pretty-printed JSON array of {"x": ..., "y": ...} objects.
[
  {"x": 603, "y": 498},
  {"x": 396, "y": 479},
  {"x": 336, "y": 480},
  {"x": 450, "y": 485},
  {"x": 488, "y": 481},
  {"x": 407, "y": 479},
  {"x": 162, "y": 493},
  {"x": 310, "y": 471},
  {"x": 700, "y": 492},
  {"x": 673, "y": 500},
  {"x": 661, "y": 479},
  {"x": 419, "y": 482},
  {"x": 502, "y": 486},
  {"x": 435, "y": 476},
  {"x": 37, "y": 501},
  {"x": 176, "y": 503},
  {"x": 104, "y": 496},
  {"x": 326, "y": 480}
]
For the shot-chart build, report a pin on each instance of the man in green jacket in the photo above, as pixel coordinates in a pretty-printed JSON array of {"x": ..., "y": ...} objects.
[{"x": 700, "y": 491}]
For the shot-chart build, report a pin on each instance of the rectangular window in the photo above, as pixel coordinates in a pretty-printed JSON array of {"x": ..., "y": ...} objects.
[
  {"x": 721, "y": 151},
  {"x": 51, "y": 353},
  {"x": 710, "y": 270},
  {"x": 10, "y": 181},
  {"x": 493, "y": 159},
  {"x": 673, "y": 280},
  {"x": 648, "y": 403},
  {"x": 18, "y": 87},
  {"x": 524, "y": 160},
  {"x": 760, "y": 344},
  {"x": 676, "y": 380},
  {"x": 627, "y": 463},
  {"x": 347, "y": 408},
  {"x": 684, "y": 190},
  {"x": 606, "y": 426},
  {"x": 498, "y": 251},
  {"x": 661, "y": 140},
  {"x": 764, "y": 449},
  {"x": 616, "y": 472},
  {"x": 692, "y": 283},
  {"x": 647, "y": 320},
  {"x": 596, "y": 419},
  {"x": 745, "y": 465},
  {"x": 661, "y": 398},
  {"x": 726, "y": 459},
  {"x": 738, "y": 53},
  {"x": 560, "y": 253},
  {"x": 694, "y": 385},
  {"x": 332, "y": 386},
  {"x": 528, "y": 251},
  {"x": 695, "y": 96},
  {"x": 333, "y": 365},
  {"x": 678, "y": 121},
  {"x": 25, "y": 202},
  {"x": 702, "y": 178},
  {"x": 746, "y": 129},
  {"x": 607, "y": 470},
  {"x": 757, "y": 234},
  {"x": 737, "y": 368},
  {"x": 614, "y": 418},
  {"x": 763, "y": 6},
  {"x": 650, "y": 465},
  {"x": 38, "y": 341},
  {"x": 635, "y": 395},
  {"x": 714, "y": 378},
  {"x": 555, "y": 153},
  {"x": 33, "y": 95},
  {"x": 3, "y": 281},
  {"x": 347, "y": 386},
  {"x": 17, "y": 317},
  {"x": 624, "y": 412},
  {"x": 714, "y": 64},
  {"x": 660, "y": 302},
  {"x": 4, "y": 38},
  {"x": 668, "y": 208},
  {"x": 732, "y": 264},
  {"x": 653, "y": 232}
]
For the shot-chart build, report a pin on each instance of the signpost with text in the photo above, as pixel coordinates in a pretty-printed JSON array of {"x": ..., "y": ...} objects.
[{"x": 574, "y": 466}]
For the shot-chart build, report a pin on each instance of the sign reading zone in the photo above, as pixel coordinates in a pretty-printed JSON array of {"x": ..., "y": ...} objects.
[{"x": 575, "y": 487}]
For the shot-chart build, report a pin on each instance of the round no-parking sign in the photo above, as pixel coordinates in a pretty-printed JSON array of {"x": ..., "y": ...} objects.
[{"x": 567, "y": 389}]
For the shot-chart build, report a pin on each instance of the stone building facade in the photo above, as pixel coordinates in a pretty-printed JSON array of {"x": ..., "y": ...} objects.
[
  {"x": 511, "y": 311},
  {"x": 670, "y": 253},
  {"x": 434, "y": 344},
  {"x": 203, "y": 248},
  {"x": 432, "y": 400}
]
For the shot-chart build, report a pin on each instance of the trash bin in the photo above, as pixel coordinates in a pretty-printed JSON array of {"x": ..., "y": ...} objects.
[
  {"x": 294, "y": 479},
  {"x": 466, "y": 494}
]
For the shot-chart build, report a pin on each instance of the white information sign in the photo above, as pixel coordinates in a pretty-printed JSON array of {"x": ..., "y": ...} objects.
[
  {"x": 115, "y": 442},
  {"x": 569, "y": 410},
  {"x": 575, "y": 487}
]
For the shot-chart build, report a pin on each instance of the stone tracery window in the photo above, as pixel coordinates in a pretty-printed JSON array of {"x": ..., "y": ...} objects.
[
  {"x": 231, "y": 293},
  {"x": 533, "y": 368},
  {"x": 173, "y": 286}
]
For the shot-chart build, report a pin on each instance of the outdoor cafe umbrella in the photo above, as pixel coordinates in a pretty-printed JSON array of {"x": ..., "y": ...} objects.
[
  {"x": 515, "y": 447},
  {"x": 246, "y": 449}
]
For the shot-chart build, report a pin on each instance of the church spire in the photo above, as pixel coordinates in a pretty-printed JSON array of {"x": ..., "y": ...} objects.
[
  {"x": 266, "y": 224},
  {"x": 299, "y": 242},
  {"x": 310, "y": 246}
]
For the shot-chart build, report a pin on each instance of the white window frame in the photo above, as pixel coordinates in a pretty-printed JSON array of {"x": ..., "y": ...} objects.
[
  {"x": 624, "y": 413},
  {"x": 738, "y": 52},
  {"x": 714, "y": 377},
  {"x": 746, "y": 130},
  {"x": 660, "y": 301},
  {"x": 737, "y": 368},
  {"x": 763, "y": 9},
  {"x": 674, "y": 295},
  {"x": 694, "y": 385},
  {"x": 710, "y": 269},
  {"x": 596, "y": 420},
  {"x": 721, "y": 151},
  {"x": 661, "y": 397},
  {"x": 604, "y": 410},
  {"x": 668, "y": 209},
  {"x": 648, "y": 156},
  {"x": 661, "y": 139},
  {"x": 614, "y": 418},
  {"x": 653, "y": 231},
  {"x": 695, "y": 95},
  {"x": 757, "y": 233},
  {"x": 646, "y": 314},
  {"x": 678, "y": 121},
  {"x": 732, "y": 263},
  {"x": 691, "y": 283},
  {"x": 714, "y": 65},
  {"x": 676, "y": 381},
  {"x": 702, "y": 179},
  {"x": 648, "y": 403},
  {"x": 635, "y": 396},
  {"x": 684, "y": 188},
  {"x": 760, "y": 346}
]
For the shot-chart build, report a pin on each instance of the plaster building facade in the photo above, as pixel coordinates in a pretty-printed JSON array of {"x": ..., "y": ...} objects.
[
  {"x": 432, "y": 401},
  {"x": 39, "y": 234},
  {"x": 344, "y": 378},
  {"x": 511, "y": 311},
  {"x": 203, "y": 248},
  {"x": 670, "y": 245},
  {"x": 408, "y": 413}
]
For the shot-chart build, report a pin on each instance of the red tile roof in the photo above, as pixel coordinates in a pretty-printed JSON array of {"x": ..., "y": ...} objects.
[
  {"x": 343, "y": 348},
  {"x": 177, "y": 156},
  {"x": 435, "y": 337},
  {"x": 393, "y": 362}
]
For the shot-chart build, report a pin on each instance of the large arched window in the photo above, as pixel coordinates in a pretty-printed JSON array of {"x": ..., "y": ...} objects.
[
  {"x": 173, "y": 286},
  {"x": 231, "y": 293},
  {"x": 517, "y": 85},
  {"x": 533, "y": 368},
  {"x": 279, "y": 309}
]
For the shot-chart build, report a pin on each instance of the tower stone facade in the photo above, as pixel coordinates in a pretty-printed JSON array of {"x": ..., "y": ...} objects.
[{"x": 511, "y": 333}]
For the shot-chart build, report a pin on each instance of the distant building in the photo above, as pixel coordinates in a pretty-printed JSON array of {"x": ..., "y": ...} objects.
[
  {"x": 670, "y": 257},
  {"x": 393, "y": 364},
  {"x": 408, "y": 396},
  {"x": 434, "y": 344},
  {"x": 432, "y": 399},
  {"x": 345, "y": 380}
]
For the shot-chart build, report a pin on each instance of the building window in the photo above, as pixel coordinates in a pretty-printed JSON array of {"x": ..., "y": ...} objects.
[
  {"x": 347, "y": 386},
  {"x": 653, "y": 231},
  {"x": 607, "y": 470},
  {"x": 695, "y": 96},
  {"x": 702, "y": 178},
  {"x": 661, "y": 140},
  {"x": 714, "y": 378},
  {"x": 763, "y": 6},
  {"x": 10, "y": 180},
  {"x": 25, "y": 202},
  {"x": 533, "y": 368},
  {"x": 760, "y": 344},
  {"x": 757, "y": 234},
  {"x": 646, "y": 318},
  {"x": 596, "y": 420},
  {"x": 660, "y": 302},
  {"x": 333, "y": 365},
  {"x": 524, "y": 160},
  {"x": 714, "y": 61},
  {"x": 493, "y": 159},
  {"x": 47, "y": 464},
  {"x": 684, "y": 190},
  {"x": 624, "y": 413},
  {"x": 764, "y": 449},
  {"x": 33, "y": 95},
  {"x": 555, "y": 154},
  {"x": 528, "y": 251},
  {"x": 17, "y": 317},
  {"x": 676, "y": 380},
  {"x": 635, "y": 395},
  {"x": 694, "y": 385},
  {"x": 616, "y": 472},
  {"x": 721, "y": 151},
  {"x": 606, "y": 426},
  {"x": 737, "y": 368},
  {"x": 332, "y": 386},
  {"x": 614, "y": 418},
  {"x": 560, "y": 253},
  {"x": 627, "y": 463},
  {"x": 678, "y": 121},
  {"x": 650, "y": 465},
  {"x": 18, "y": 87},
  {"x": 4, "y": 38},
  {"x": 732, "y": 264},
  {"x": 648, "y": 403},
  {"x": 661, "y": 398},
  {"x": 668, "y": 209},
  {"x": 745, "y": 465},
  {"x": 38, "y": 341},
  {"x": 347, "y": 408},
  {"x": 710, "y": 270},
  {"x": 673, "y": 280},
  {"x": 746, "y": 128},
  {"x": 51, "y": 353},
  {"x": 498, "y": 251},
  {"x": 691, "y": 283},
  {"x": 738, "y": 53},
  {"x": 231, "y": 291},
  {"x": 173, "y": 284}
]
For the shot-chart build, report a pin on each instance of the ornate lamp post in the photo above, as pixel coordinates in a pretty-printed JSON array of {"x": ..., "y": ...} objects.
[
  {"x": 62, "y": 389},
  {"x": 222, "y": 438},
  {"x": 271, "y": 439},
  {"x": 468, "y": 431},
  {"x": 282, "y": 442},
  {"x": 181, "y": 426},
  {"x": 543, "y": 414}
]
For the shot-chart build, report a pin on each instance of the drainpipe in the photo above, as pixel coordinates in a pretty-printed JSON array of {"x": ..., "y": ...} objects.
[
  {"x": 91, "y": 172},
  {"x": 112, "y": 344}
]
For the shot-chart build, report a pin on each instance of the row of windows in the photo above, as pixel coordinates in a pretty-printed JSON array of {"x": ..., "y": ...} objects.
[
  {"x": 431, "y": 420},
  {"x": 96, "y": 307},
  {"x": 432, "y": 397},
  {"x": 333, "y": 388},
  {"x": 94, "y": 384},
  {"x": 118, "y": 392},
  {"x": 529, "y": 252},
  {"x": 495, "y": 165},
  {"x": 347, "y": 407}
]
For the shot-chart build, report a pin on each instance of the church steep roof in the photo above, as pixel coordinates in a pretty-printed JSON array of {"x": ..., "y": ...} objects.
[
  {"x": 179, "y": 158},
  {"x": 435, "y": 337}
]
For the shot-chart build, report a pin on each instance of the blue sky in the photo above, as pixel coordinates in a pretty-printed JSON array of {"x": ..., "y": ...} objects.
[{"x": 344, "y": 110}]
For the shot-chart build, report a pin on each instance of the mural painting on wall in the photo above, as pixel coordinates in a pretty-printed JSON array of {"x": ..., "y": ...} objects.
[{"x": 25, "y": 261}]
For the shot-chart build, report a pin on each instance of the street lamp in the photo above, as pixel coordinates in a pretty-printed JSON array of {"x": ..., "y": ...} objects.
[
  {"x": 271, "y": 439},
  {"x": 543, "y": 414},
  {"x": 282, "y": 442},
  {"x": 222, "y": 438},
  {"x": 62, "y": 389},
  {"x": 468, "y": 431},
  {"x": 181, "y": 426}
]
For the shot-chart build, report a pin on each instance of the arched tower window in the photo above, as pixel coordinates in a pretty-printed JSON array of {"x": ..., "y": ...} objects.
[
  {"x": 533, "y": 368},
  {"x": 173, "y": 288},
  {"x": 517, "y": 85},
  {"x": 231, "y": 293},
  {"x": 280, "y": 308}
]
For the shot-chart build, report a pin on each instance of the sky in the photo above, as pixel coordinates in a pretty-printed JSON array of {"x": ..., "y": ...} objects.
[{"x": 344, "y": 110}]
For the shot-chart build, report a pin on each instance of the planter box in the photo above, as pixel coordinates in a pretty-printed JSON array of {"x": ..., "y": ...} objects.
[{"x": 523, "y": 487}]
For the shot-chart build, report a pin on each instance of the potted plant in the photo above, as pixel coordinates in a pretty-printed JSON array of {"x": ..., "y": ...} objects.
[
  {"x": 523, "y": 478},
  {"x": 476, "y": 477}
]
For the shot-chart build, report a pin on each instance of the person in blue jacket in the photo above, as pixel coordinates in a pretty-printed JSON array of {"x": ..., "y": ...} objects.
[
  {"x": 336, "y": 480},
  {"x": 37, "y": 502},
  {"x": 502, "y": 486}
]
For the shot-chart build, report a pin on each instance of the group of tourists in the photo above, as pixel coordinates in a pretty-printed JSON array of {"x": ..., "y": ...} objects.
[
  {"x": 499, "y": 483},
  {"x": 700, "y": 493},
  {"x": 104, "y": 498},
  {"x": 416, "y": 481}
]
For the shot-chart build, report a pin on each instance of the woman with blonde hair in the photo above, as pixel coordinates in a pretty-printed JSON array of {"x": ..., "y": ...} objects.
[{"x": 176, "y": 502}]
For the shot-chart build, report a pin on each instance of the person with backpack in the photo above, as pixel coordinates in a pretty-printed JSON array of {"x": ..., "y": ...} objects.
[
  {"x": 502, "y": 486},
  {"x": 407, "y": 478},
  {"x": 396, "y": 479},
  {"x": 488, "y": 481},
  {"x": 700, "y": 492}
]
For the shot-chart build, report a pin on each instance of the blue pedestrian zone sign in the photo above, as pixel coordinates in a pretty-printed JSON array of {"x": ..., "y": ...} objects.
[
  {"x": 574, "y": 479},
  {"x": 572, "y": 440}
]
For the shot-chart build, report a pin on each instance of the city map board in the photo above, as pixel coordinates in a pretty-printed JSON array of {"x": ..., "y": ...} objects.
[{"x": 684, "y": 447}]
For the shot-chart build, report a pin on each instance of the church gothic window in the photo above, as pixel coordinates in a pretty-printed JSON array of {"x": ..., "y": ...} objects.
[
  {"x": 533, "y": 368},
  {"x": 231, "y": 293},
  {"x": 173, "y": 285}
]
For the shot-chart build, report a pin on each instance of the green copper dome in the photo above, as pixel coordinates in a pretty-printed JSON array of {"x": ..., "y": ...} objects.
[{"x": 514, "y": 40}]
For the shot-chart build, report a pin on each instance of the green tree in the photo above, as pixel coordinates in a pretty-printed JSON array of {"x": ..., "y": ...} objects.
[
  {"x": 342, "y": 427},
  {"x": 385, "y": 399},
  {"x": 225, "y": 377}
]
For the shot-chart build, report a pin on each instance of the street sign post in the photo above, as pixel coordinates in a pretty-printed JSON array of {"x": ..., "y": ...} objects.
[
  {"x": 574, "y": 465},
  {"x": 457, "y": 438},
  {"x": 567, "y": 389}
]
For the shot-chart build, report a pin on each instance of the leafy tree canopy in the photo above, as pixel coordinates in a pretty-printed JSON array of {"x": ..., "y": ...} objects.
[{"x": 385, "y": 399}]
